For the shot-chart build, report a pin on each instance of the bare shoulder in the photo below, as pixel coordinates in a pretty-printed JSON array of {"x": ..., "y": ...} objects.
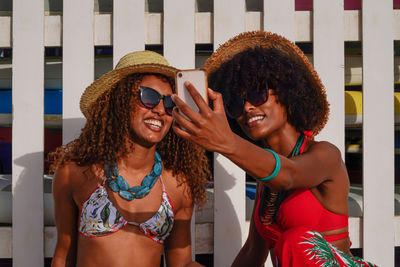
[
  {"x": 326, "y": 152},
  {"x": 70, "y": 176},
  {"x": 328, "y": 157},
  {"x": 325, "y": 146},
  {"x": 331, "y": 157}
]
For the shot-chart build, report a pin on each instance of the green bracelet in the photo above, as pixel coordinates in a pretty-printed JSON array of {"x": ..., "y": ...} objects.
[{"x": 277, "y": 167}]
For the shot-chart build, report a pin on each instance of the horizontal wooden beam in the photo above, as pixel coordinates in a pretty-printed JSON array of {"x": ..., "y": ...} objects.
[{"x": 203, "y": 27}]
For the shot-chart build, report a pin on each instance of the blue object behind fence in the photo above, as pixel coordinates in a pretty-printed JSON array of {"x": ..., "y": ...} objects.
[{"x": 52, "y": 101}]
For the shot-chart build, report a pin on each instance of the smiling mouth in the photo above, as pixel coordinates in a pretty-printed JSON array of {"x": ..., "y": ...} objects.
[
  {"x": 254, "y": 120},
  {"x": 153, "y": 123}
]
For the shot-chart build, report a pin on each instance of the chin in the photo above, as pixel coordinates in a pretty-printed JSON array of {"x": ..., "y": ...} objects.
[{"x": 145, "y": 141}]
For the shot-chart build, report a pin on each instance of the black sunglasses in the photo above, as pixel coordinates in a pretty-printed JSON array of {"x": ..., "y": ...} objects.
[
  {"x": 150, "y": 98},
  {"x": 236, "y": 105}
]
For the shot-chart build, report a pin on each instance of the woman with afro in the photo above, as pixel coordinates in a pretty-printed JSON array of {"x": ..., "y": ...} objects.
[
  {"x": 124, "y": 190},
  {"x": 276, "y": 104}
]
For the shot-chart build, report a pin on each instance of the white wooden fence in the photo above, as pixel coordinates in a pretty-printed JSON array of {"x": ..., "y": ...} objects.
[{"x": 29, "y": 30}]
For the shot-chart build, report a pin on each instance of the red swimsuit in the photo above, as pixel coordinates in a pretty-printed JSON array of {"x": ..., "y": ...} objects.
[
  {"x": 295, "y": 233},
  {"x": 300, "y": 209}
]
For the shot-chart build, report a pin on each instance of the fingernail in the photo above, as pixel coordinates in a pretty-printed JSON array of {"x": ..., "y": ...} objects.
[
  {"x": 187, "y": 83},
  {"x": 174, "y": 109}
]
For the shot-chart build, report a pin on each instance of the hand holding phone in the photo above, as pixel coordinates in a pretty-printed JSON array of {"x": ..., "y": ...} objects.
[{"x": 198, "y": 78}]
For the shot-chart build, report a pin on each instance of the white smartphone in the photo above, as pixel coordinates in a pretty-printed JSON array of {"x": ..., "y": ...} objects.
[{"x": 198, "y": 78}]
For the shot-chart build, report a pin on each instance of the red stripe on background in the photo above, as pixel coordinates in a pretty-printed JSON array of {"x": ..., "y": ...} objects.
[{"x": 307, "y": 5}]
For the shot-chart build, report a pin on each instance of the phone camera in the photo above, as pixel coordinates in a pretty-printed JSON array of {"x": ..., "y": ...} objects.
[{"x": 180, "y": 74}]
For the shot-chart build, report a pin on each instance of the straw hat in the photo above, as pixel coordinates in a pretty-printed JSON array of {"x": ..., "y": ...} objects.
[
  {"x": 248, "y": 40},
  {"x": 135, "y": 62}
]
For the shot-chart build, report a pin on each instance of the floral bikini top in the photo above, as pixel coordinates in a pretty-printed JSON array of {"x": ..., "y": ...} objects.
[{"x": 99, "y": 217}]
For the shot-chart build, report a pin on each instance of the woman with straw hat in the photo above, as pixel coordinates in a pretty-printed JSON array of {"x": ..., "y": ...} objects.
[
  {"x": 124, "y": 190},
  {"x": 276, "y": 104}
]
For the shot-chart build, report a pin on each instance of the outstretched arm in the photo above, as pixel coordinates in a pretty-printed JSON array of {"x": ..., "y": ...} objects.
[{"x": 209, "y": 128}]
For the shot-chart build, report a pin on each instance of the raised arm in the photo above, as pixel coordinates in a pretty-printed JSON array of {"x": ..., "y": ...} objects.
[
  {"x": 209, "y": 128},
  {"x": 320, "y": 164},
  {"x": 65, "y": 213}
]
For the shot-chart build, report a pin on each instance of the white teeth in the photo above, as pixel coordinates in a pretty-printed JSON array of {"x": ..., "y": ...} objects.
[
  {"x": 156, "y": 123},
  {"x": 255, "y": 118}
]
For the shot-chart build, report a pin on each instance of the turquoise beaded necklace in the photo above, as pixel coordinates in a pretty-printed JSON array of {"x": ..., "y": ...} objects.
[{"x": 117, "y": 183}]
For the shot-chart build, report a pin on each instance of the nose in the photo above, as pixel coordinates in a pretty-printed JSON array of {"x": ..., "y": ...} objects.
[
  {"x": 159, "y": 109},
  {"x": 248, "y": 106}
]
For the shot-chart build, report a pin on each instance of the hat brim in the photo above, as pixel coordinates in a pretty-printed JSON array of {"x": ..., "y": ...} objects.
[
  {"x": 266, "y": 40},
  {"x": 111, "y": 78}
]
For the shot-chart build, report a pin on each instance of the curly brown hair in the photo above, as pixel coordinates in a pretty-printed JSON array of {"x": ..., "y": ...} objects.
[
  {"x": 255, "y": 68},
  {"x": 107, "y": 130}
]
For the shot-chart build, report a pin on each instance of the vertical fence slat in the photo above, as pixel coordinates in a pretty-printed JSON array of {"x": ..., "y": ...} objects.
[
  {"x": 279, "y": 18},
  {"x": 378, "y": 132},
  {"x": 78, "y": 62},
  {"x": 27, "y": 132},
  {"x": 229, "y": 210},
  {"x": 229, "y": 20},
  {"x": 229, "y": 180},
  {"x": 128, "y": 28},
  {"x": 329, "y": 63},
  {"x": 179, "y": 49},
  {"x": 179, "y": 34}
]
